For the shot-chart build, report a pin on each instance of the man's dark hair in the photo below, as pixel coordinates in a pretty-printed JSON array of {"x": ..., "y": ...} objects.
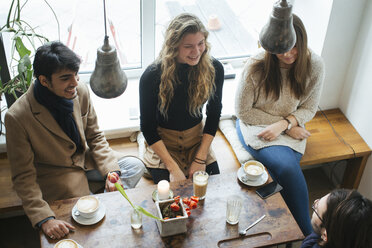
[
  {"x": 348, "y": 220},
  {"x": 54, "y": 57}
]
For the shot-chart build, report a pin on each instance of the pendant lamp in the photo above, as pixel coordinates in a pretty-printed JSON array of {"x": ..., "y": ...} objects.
[
  {"x": 108, "y": 80},
  {"x": 278, "y": 35}
]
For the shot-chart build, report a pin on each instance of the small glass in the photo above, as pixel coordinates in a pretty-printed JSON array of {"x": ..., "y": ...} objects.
[
  {"x": 200, "y": 183},
  {"x": 233, "y": 208},
  {"x": 136, "y": 219}
]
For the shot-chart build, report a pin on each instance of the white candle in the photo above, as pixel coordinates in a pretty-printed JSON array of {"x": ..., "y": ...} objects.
[{"x": 163, "y": 190}]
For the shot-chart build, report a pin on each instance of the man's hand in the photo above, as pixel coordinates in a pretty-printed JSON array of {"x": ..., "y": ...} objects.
[
  {"x": 298, "y": 132},
  {"x": 56, "y": 229},
  {"x": 176, "y": 175},
  {"x": 272, "y": 131},
  {"x": 110, "y": 183},
  {"x": 196, "y": 167}
]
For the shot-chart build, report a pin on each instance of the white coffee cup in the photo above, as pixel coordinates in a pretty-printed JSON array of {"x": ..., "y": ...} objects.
[
  {"x": 87, "y": 206},
  {"x": 66, "y": 243},
  {"x": 253, "y": 169}
]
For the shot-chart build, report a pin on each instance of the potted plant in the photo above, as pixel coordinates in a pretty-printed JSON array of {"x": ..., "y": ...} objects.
[
  {"x": 25, "y": 41},
  {"x": 172, "y": 221}
]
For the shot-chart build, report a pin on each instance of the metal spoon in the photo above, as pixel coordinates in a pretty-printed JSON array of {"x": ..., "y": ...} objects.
[{"x": 244, "y": 231}]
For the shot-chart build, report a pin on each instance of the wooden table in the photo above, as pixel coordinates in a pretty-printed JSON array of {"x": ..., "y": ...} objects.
[{"x": 206, "y": 226}]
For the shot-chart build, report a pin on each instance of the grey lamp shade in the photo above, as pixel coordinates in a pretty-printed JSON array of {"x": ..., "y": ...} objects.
[
  {"x": 278, "y": 35},
  {"x": 108, "y": 80}
]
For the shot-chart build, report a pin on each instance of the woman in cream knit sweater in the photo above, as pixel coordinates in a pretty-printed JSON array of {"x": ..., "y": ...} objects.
[{"x": 277, "y": 95}]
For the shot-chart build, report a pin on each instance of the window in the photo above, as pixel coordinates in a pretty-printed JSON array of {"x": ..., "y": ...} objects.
[
  {"x": 81, "y": 26},
  {"x": 233, "y": 25}
]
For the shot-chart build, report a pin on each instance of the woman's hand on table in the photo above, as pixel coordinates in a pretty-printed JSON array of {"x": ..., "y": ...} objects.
[
  {"x": 196, "y": 167},
  {"x": 176, "y": 175},
  {"x": 298, "y": 133},
  {"x": 272, "y": 131},
  {"x": 56, "y": 229}
]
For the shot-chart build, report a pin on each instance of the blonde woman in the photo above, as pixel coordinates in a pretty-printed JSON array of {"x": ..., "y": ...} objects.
[
  {"x": 173, "y": 91},
  {"x": 277, "y": 95}
]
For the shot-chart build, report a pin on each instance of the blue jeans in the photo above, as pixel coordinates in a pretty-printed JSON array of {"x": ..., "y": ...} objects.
[{"x": 283, "y": 164}]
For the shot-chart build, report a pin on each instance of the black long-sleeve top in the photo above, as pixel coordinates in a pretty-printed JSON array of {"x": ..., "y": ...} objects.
[{"x": 178, "y": 117}]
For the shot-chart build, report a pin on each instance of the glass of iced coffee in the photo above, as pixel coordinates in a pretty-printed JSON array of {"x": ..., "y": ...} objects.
[{"x": 200, "y": 182}]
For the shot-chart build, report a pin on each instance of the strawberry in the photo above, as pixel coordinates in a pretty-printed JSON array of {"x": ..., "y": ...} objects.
[
  {"x": 175, "y": 207},
  {"x": 188, "y": 212},
  {"x": 186, "y": 201},
  {"x": 195, "y": 199},
  {"x": 177, "y": 199},
  {"x": 193, "y": 205}
]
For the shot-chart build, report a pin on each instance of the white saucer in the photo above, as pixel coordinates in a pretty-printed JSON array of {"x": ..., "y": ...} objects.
[
  {"x": 260, "y": 181},
  {"x": 85, "y": 221}
]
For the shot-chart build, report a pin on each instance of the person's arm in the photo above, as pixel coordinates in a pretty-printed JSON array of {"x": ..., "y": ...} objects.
[
  {"x": 213, "y": 112},
  {"x": 246, "y": 94},
  {"x": 20, "y": 155},
  {"x": 310, "y": 101},
  {"x": 201, "y": 155},
  {"x": 214, "y": 105},
  {"x": 175, "y": 173},
  {"x": 148, "y": 91},
  {"x": 102, "y": 154}
]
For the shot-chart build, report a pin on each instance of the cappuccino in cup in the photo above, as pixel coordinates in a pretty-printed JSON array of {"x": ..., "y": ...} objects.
[
  {"x": 253, "y": 169},
  {"x": 87, "y": 206},
  {"x": 66, "y": 243}
]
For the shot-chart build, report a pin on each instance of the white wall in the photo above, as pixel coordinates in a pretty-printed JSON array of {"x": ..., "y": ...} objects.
[
  {"x": 338, "y": 48},
  {"x": 356, "y": 97},
  {"x": 315, "y": 16}
]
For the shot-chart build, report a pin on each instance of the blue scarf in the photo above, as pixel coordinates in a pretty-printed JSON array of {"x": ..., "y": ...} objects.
[
  {"x": 311, "y": 241},
  {"x": 60, "y": 108}
]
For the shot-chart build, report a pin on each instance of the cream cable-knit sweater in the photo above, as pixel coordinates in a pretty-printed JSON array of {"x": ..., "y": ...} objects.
[{"x": 254, "y": 117}]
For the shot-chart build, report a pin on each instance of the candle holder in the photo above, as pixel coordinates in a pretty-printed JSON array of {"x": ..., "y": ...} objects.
[{"x": 155, "y": 196}]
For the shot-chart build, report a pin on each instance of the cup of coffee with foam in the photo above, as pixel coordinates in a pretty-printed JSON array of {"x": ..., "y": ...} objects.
[
  {"x": 66, "y": 243},
  {"x": 253, "y": 169},
  {"x": 87, "y": 206}
]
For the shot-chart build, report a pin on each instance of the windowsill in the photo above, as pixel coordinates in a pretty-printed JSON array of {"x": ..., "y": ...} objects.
[{"x": 119, "y": 117}]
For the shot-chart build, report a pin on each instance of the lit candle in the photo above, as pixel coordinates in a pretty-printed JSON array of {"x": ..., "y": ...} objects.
[{"x": 163, "y": 190}]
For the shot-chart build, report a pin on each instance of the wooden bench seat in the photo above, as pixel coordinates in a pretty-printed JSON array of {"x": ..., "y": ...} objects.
[
  {"x": 342, "y": 142},
  {"x": 323, "y": 146}
]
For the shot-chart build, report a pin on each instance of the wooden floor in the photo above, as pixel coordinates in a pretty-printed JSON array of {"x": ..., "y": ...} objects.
[{"x": 17, "y": 231}]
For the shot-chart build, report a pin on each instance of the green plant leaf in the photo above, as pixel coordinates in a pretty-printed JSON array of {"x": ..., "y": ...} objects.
[
  {"x": 21, "y": 49},
  {"x": 138, "y": 208},
  {"x": 121, "y": 190},
  {"x": 142, "y": 210}
]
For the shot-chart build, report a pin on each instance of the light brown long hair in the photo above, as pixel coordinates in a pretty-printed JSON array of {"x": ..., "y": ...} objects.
[
  {"x": 268, "y": 68},
  {"x": 201, "y": 76}
]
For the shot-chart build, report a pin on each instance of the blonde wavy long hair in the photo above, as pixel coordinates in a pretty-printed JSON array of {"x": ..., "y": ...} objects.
[
  {"x": 268, "y": 68},
  {"x": 201, "y": 76}
]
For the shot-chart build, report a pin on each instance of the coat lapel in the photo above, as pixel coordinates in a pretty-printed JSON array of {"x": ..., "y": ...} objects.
[
  {"x": 78, "y": 120},
  {"x": 43, "y": 115}
]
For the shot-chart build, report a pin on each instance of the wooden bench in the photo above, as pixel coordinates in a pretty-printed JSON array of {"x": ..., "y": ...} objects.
[
  {"x": 342, "y": 142},
  {"x": 323, "y": 146}
]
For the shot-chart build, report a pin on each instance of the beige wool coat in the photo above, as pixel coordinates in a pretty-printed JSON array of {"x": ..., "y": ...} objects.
[{"x": 45, "y": 164}]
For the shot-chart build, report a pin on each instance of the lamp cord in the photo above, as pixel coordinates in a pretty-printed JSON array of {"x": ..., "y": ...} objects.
[
  {"x": 104, "y": 16},
  {"x": 335, "y": 132}
]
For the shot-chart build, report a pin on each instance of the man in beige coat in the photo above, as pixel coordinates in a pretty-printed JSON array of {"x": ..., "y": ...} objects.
[{"x": 53, "y": 140}]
